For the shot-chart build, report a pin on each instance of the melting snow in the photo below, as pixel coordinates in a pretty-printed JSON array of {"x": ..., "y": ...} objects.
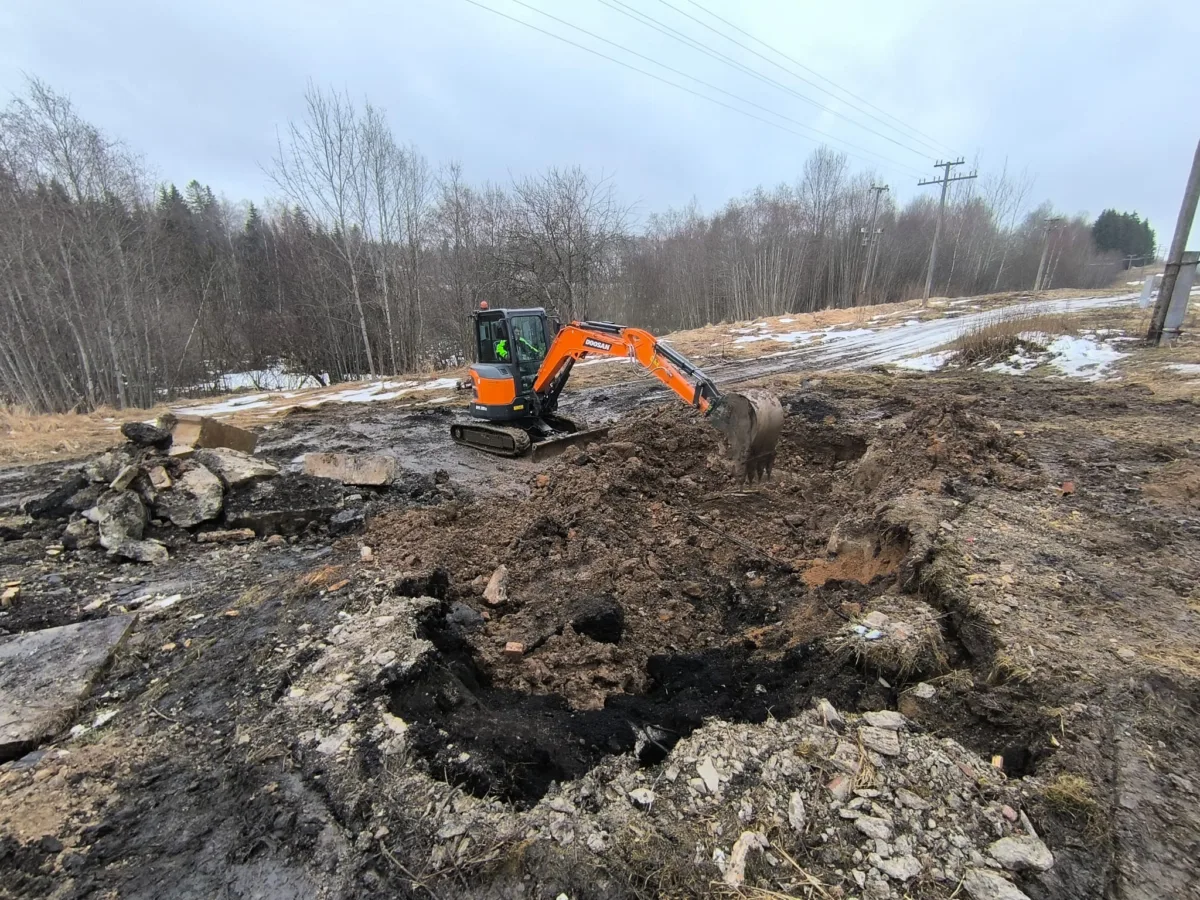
[
  {"x": 1185, "y": 368},
  {"x": 1081, "y": 357},
  {"x": 929, "y": 362}
]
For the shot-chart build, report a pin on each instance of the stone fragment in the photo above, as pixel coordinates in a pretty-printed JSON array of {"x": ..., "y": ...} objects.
[
  {"x": 829, "y": 713},
  {"x": 880, "y": 740},
  {"x": 234, "y": 467},
  {"x": 874, "y": 828},
  {"x": 984, "y": 884},
  {"x": 1020, "y": 852},
  {"x": 643, "y": 798},
  {"x": 226, "y": 536},
  {"x": 122, "y": 517},
  {"x": 496, "y": 591},
  {"x": 708, "y": 772},
  {"x": 885, "y": 719},
  {"x": 901, "y": 868},
  {"x": 371, "y": 470},
  {"x": 125, "y": 477},
  {"x": 195, "y": 497},
  {"x": 796, "y": 812},
  {"x": 146, "y": 435}
]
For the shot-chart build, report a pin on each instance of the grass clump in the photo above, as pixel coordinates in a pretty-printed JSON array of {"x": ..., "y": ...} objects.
[{"x": 1000, "y": 336}]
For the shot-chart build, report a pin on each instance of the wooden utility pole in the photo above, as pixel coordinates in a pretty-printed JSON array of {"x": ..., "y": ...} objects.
[
  {"x": 1050, "y": 225},
  {"x": 1187, "y": 212},
  {"x": 944, "y": 181},
  {"x": 871, "y": 241}
]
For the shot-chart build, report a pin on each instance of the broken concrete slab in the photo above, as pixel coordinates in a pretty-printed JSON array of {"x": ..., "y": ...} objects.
[
  {"x": 44, "y": 675},
  {"x": 234, "y": 467},
  {"x": 54, "y": 504},
  {"x": 142, "y": 551},
  {"x": 195, "y": 497},
  {"x": 371, "y": 470},
  {"x": 190, "y": 433},
  {"x": 283, "y": 505}
]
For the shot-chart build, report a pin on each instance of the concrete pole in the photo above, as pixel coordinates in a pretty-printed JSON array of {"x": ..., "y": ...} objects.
[
  {"x": 937, "y": 231},
  {"x": 1183, "y": 226}
]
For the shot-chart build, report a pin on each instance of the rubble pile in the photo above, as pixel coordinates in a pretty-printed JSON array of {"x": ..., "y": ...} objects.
[{"x": 145, "y": 496}]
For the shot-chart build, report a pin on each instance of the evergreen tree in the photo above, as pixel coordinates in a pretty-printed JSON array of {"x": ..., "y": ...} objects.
[{"x": 1123, "y": 233}]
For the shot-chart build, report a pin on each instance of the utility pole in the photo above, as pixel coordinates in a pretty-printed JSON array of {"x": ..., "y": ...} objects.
[
  {"x": 1051, "y": 223},
  {"x": 944, "y": 181},
  {"x": 871, "y": 241},
  {"x": 1187, "y": 212}
]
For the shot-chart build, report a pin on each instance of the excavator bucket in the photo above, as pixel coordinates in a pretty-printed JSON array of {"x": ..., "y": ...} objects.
[{"x": 750, "y": 422}]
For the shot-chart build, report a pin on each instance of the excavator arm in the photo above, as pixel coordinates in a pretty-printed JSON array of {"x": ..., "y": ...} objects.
[
  {"x": 749, "y": 420},
  {"x": 582, "y": 339}
]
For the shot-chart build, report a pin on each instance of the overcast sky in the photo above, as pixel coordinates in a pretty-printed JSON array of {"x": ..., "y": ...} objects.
[{"x": 1100, "y": 100}]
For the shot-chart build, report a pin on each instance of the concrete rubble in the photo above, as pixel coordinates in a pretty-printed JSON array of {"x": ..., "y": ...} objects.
[
  {"x": 369, "y": 470},
  {"x": 45, "y": 674}
]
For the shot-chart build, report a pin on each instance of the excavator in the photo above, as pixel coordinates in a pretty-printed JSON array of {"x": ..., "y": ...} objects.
[{"x": 523, "y": 361}]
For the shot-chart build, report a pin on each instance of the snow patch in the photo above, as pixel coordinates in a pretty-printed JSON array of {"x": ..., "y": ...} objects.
[{"x": 929, "y": 362}]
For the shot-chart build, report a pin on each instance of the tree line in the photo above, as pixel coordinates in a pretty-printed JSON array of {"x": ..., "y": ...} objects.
[{"x": 370, "y": 259}]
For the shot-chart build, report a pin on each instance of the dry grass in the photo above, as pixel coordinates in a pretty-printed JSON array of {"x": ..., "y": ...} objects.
[
  {"x": 1075, "y": 797},
  {"x": 999, "y": 336},
  {"x": 33, "y": 437}
]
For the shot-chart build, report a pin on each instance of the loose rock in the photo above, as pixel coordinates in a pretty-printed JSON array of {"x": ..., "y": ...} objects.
[
  {"x": 982, "y": 884},
  {"x": 234, "y": 467},
  {"x": 1021, "y": 852},
  {"x": 496, "y": 591},
  {"x": 146, "y": 435},
  {"x": 195, "y": 497}
]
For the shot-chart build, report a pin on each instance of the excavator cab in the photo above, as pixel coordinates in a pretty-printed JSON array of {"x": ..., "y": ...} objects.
[{"x": 510, "y": 347}]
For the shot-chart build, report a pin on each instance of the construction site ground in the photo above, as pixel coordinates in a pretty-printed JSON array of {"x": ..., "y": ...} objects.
[{"x": 1010, "y": 563}]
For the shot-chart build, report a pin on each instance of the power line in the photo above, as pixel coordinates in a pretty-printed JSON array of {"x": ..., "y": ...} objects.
[
  {"x": 673, "y": 33},
  {"x": 796, "y": 76},
  {"x": 659, "y": 78},
  {"x": 711, "y": 86},
  {"x": 929, "y": 141}
]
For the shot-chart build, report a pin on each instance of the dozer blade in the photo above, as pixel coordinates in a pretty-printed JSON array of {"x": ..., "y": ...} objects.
[
  {"x": 555, "y": 445},
  {"x": 751, "y": 422}
]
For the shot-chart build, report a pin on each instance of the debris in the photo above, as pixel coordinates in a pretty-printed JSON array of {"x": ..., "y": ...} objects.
[
  {"x": 228, "y": 536},
  {"x": 45, "y": 674},
  {"x": 1068, "y": 487},
  {"x": 125, "y": 477},
  {"x": 80, "y": 534},
  {"x": 191, "y": 432},
  {"x": 54, "y": 505},
  {"x": 347, "y": 521},
  {"x": 1021, "y": 852},
  {"x": 796, "y": 812},
  {"x": 496, "y": 591},
  {"x": 146, "y": 435},
  {"x": 829, "y": 714},
  {"x": 234, "y": 467},
  {"x": 885, "y": 719},
  {"x": 10, "y": 594},
  {"x": 735, "y": 868},
  {"x": 14, "y": 527},
  {"x": 372, "y": 470},
  {"x": 122, "y": 517},
  {"x": 901, "y": 868},
  {"x": 159, "y": 478},
  {"x": 982, "y": 884},
  {"x": 643, "y": 798},
  {"x": 874, "y": 827},
  {"x": 365, "y": 553},
  {"x": 514, "y": 649},
  {"x": 195, "y": 497},
  {"x": 1126, "y": 654},
  {"x": 708, "y": 772},
  {"x": 142, "y": 551},
  {"x": 337, "y": 586},
  {"x": 881, "y": 740},
  {"x": 231, "y": 613},
  {"x": 286, "y": 504}
]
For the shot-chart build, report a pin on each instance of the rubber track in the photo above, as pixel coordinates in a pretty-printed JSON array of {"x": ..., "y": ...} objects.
[{"x": 517, "y": 445}]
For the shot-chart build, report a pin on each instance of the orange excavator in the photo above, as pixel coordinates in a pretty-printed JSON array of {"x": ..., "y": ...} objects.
[{"x": 523, "y": 361}]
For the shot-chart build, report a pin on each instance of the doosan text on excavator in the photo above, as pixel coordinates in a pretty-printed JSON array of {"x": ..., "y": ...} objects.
[{"x": 524, "y": 358}]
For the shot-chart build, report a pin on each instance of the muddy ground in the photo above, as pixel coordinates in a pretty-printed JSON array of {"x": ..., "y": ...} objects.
[{"x": 307, "y": 722}]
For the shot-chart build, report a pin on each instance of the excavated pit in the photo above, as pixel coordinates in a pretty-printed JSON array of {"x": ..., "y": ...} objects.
[{"x": 646, "y": 592}]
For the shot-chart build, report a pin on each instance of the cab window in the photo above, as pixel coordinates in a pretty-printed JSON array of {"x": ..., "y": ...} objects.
[
  {"x": 529, "y": 334},
  {"x": 494, "y": 342}
]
